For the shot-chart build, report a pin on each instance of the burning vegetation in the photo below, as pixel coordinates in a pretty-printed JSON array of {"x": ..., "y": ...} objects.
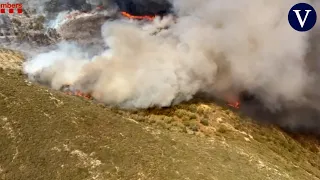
[
  {"x": 202, "y": 52},
  {"x": 172, "y": 74},
  {"x": 235, "y": 104},
  {"x": 147, "y": 17}
]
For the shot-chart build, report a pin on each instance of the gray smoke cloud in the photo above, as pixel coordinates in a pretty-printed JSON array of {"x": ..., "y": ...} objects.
[{"x": 221, "y": 47}]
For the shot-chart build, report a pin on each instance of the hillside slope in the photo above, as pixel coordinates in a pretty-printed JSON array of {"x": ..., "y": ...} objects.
[{"x": 50, "y": 135}]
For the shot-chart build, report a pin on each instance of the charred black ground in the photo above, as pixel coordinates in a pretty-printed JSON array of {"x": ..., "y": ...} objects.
[
  {"x": 141, "y": 7},
  {"x": 133, "y": 7}
]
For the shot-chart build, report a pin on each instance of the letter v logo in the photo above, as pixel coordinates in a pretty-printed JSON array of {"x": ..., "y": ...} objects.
[
  {"x": 302, "y": 22},
  {"x": 302, "y": 17}
]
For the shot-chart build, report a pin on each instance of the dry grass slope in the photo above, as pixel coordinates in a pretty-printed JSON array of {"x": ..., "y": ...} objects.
[
  {"x": 213, "y": 121},
  {"x": 10, "y": 59},
  {"x": 46, "y": 134}
]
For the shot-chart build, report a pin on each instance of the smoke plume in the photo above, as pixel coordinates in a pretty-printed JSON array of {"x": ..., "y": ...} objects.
[{"x": 220, "y": 47}]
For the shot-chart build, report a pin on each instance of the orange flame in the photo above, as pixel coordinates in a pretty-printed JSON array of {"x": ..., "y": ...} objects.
[
  {"x": 235, "y": 104},
  {"x": 150, "y": 18},
  {"x": 80, "y": 94}
]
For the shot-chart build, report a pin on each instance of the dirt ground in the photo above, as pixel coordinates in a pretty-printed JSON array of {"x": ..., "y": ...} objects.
[{"x": 49, "y": 135}]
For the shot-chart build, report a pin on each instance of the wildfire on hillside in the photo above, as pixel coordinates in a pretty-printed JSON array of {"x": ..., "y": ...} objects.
[
  {"x": 67, "y": 89},
  {"x": 79, "y": 94},
  {"x": 88, "y": 96}
]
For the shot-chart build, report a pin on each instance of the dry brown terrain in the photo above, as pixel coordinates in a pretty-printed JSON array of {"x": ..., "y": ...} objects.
[{"x": 50, "y": 135}]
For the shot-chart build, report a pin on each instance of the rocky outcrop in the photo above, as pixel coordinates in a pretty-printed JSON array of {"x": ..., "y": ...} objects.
[{"x": 26, "y": 28}]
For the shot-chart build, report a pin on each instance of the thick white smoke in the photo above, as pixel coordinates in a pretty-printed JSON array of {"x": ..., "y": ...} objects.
[{"x": 217, "y": 46}]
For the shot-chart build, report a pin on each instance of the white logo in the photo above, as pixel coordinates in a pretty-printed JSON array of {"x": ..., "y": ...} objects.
[{"x": 302, "y": 22}]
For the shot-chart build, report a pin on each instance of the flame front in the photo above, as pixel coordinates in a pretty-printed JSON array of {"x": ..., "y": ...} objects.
[
  {"x": 79, "y": 94},
  {"x": 89, "y": 97},
  {"x": 150, "y": 18},
  {"x": 235, "y": 104},
  {"x": 70, "y": 91}
]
